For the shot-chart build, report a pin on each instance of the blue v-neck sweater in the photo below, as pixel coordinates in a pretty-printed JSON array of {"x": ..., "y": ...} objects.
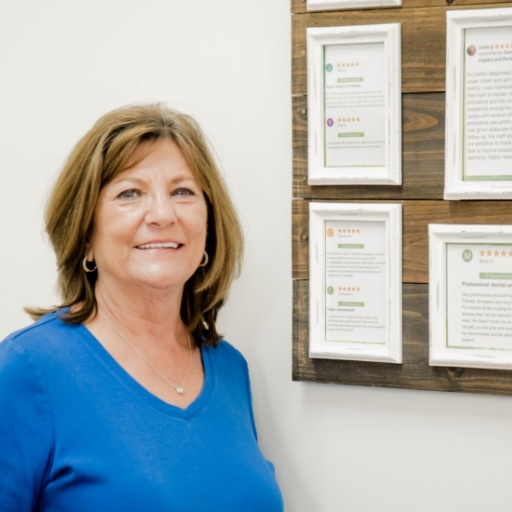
[{"x": 79, "y": 434}]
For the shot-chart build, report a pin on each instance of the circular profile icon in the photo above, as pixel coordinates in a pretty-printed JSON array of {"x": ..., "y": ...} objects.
[
  {"x": 330, "y": 232},
  {"x": 471, "y": 50},
  {"x": 328, "y": 68},
  {"x": 330, "y": 122},
  {"x": 467, "y": 255},
  {"x": 330, "y": 290}
]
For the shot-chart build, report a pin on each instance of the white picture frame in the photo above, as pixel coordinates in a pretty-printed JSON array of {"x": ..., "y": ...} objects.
[
  {"x": 354, "y": 105},
  {"x": 478, "y": 149},
  {"x": 336, "y": 5},
  {"x": 470, "y": 296},
  {"x": 355, "y": 281}
]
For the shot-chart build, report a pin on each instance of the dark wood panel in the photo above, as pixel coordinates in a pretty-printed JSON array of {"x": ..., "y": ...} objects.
[
  {"x": 300, "y": 239},
  {"x": 423, "y": 35},
  {"x": 300, "y": 6},
  {"x": 423, "y": 135},
  {"x": 413, "y": 373},
  {"x": 423, "y": 25},
  {"x": 416, "y": 216}
]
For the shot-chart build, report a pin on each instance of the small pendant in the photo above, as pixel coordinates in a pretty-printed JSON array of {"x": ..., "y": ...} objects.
[{"x": 180, "y": 390}]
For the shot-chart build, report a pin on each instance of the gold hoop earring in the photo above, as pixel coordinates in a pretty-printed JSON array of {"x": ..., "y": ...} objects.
[
  {"x": 204, "y": 262},
  {"x": 87, "y": 268}
]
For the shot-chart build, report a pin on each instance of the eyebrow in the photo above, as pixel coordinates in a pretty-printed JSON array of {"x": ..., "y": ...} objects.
[{"x": 180, "y": 178}]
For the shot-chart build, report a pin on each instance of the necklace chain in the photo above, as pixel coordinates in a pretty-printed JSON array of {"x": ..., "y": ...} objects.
[{"x": 179, "y": 389}]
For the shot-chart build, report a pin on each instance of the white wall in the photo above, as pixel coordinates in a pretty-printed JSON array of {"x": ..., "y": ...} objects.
[{"x": 227, "y": 62}]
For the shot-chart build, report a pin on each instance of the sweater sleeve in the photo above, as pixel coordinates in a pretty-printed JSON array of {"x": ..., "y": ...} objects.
[
  {"x": 25, "y": 429},
  {"x": 249, "y": 398}
]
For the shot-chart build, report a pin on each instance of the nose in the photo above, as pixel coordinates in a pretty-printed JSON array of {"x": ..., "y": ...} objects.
[{"x": 160, "y": 209}]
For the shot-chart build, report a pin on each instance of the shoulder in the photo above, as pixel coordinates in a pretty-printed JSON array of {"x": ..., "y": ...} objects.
[
  {"x": 225, "y": 351},
  {"x": 230, "y": 374},
  {"x": 28, "y": 434},
  {"x": 45, "y": 327},
  {"x": 227, "y": 361},
  {"x": 46, "y": 336},
  {"x": 21, "y": 371},
  {"x": 45, "y": 322}
]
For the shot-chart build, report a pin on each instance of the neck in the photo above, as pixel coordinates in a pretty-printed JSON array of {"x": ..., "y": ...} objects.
[{"x": 154, "y": 316}]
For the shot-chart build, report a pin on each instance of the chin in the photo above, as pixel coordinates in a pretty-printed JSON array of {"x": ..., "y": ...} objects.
[{"x": 163, "y": 282}]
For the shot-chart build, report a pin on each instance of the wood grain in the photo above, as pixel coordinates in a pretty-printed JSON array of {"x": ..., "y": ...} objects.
[
  {"x": 416, "y": 216},
  {"x": 300, "y": 6},
  {"x": 423, "y": 34},
  {"x": 423, "y": 58},
  {"x": 423, "y": 134},
  {"x": 415, "y": 371}
]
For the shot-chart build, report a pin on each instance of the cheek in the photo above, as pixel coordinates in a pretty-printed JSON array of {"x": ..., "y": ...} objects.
[
  {"x": 200, "y": 235},
  {"x": 198, "y": 223},
  {"x": 111, "y": 231}
]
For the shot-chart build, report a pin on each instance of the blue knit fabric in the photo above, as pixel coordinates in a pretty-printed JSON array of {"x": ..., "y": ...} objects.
[{"x": 79, "y": 434}]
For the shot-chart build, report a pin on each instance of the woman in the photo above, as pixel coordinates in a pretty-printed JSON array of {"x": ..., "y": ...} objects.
[{"x": 124, "y": 397}]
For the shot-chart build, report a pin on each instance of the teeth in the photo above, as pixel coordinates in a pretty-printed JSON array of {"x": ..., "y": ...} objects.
[{"x": 166, "y": 245}]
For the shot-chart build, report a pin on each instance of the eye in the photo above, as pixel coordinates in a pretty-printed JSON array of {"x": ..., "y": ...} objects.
[
  {"x": 131, "y": 193},
  {"x": 183, "y": 192}
]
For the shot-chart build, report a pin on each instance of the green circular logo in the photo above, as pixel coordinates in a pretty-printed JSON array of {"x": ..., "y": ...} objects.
[
  {"x": 330, "y": 290},
  {"x": 467, "y": 255}
]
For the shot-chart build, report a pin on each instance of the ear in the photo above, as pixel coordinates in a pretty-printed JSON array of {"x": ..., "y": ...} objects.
[{"x": 89, "y": 253}]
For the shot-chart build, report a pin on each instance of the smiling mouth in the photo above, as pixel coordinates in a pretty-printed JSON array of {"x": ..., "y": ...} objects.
[{"x": 166, "y": 245}]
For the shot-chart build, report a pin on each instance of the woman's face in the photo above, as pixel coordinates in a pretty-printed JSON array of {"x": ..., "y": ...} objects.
[{"x": 150, "y": 222}]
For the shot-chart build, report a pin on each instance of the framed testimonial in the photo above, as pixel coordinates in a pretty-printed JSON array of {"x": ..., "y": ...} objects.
[
  {"x": 478, "y": 153},
  {"x": 354, "y": 105},
  {"x": 470, "y": 296},
  {"x": 336, "y": 5},
  {"x": 355, "y": 282}
]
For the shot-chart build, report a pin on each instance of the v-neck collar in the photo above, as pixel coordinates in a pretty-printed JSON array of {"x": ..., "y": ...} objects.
[{"x": 188, "y": 413}]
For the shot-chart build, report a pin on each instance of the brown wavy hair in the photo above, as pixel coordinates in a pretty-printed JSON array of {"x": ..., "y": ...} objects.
[{"x": 96, "y": 159}]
